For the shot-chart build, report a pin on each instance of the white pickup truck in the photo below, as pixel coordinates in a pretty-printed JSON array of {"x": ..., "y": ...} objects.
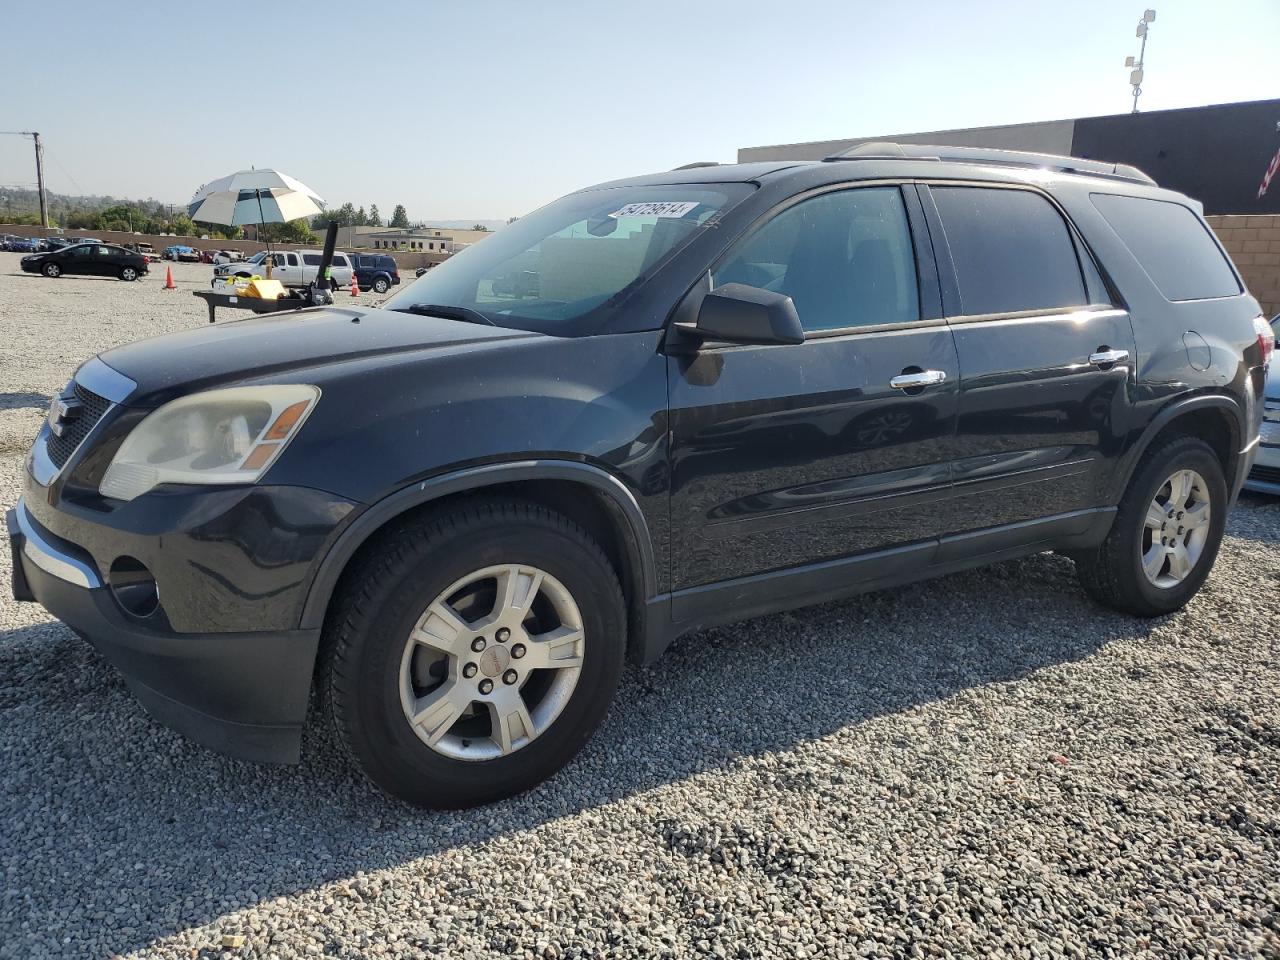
[{"x": 293, "y": 268}]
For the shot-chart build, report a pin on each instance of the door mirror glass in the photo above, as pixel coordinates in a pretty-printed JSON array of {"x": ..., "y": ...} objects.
[{"x": 741, "y": 314}]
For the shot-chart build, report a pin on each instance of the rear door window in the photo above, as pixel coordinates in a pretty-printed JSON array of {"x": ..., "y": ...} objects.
[
  {"x": 1173, "y": 246},
  {"x": 1011, "y": 249}
]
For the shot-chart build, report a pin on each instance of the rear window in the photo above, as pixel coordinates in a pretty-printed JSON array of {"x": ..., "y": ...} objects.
[
  {"x": 1173, "y": 246},
  {"x": 1011, "y": 249}
]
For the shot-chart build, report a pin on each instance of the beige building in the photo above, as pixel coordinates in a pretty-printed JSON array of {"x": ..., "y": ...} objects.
[{"x": 412, "y": 240}]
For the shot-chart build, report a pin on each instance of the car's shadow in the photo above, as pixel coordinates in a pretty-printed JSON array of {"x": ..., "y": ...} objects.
[
  {"x": 19, "y": 399},
  {"x": 183, "y": 836}
]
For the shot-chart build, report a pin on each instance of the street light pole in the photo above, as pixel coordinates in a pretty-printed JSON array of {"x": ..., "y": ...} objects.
[{"x": 1135, "y": 75}]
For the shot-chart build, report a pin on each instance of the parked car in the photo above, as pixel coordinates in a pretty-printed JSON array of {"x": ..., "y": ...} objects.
[
  {"x": 378, "y": 272},
  {"x": 733, "y": 390},
  {"x": 206, "y": 256},
  {"x": 293, "y": 268},
  {"x": 5, "y": 240},
  {"x": 56, "y": 243},
  {"x": 1265, "y": 475},
  {"x": 73, "y": 240},
  {"x": 228, "y": 256},
  {"x": 24, "y": 245},
  {"x": 93, "y": 259},
  {"x": 180, "y": 252}
]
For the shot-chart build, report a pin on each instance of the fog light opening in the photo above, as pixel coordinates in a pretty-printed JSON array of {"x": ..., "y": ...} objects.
[{"x": 134, "y": 587}]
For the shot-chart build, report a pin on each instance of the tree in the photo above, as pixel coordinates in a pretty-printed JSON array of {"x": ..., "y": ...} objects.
[
  {"x": 375, "y": 218},
  {"x": 399, "y": 217},
  {"x": 182, "y": 225},
  {"x": 480, "y": 227},
  {"x": 362, "y": 219},
  {"x": 295, "y": 231},
  {"x": 511, "y": 220}
]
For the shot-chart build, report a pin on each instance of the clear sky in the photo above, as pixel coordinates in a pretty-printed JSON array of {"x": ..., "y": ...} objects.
[{"x": 488, "y": 108}]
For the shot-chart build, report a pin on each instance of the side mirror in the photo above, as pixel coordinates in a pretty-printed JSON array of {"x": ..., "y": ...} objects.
[{"x": 742, "y": 314}]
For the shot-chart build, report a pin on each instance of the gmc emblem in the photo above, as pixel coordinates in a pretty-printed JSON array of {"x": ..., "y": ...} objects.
[{"x": 61, "y": 412}]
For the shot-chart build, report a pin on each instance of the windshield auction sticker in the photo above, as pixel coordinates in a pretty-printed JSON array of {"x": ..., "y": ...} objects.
[{"x": 669, "y": 208}]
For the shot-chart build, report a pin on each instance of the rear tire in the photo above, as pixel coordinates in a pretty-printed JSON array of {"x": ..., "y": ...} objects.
[
  {"x": 375, "y": 677},
  {"x": 381, "y": 285},
  {"x": 128, "y": 274},
  {"x": 1113, "y": 573}
]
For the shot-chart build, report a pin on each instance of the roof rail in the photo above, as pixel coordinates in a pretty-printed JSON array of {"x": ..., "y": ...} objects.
[
  {"x": 696, "y": 164},
  {"x": 883, "y": 150}
]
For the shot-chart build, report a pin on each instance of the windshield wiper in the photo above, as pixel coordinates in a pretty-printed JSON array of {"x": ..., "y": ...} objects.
[{"x": 465, "y": 314}]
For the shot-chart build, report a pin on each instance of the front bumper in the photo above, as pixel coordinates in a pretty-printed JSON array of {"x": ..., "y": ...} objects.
[{"x": 244, "y": 694}]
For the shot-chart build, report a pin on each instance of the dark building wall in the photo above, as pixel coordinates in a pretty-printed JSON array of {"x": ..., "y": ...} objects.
[{"x": 1217, "y": 154}]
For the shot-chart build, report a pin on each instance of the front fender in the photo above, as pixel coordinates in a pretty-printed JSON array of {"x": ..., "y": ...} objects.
[{"x": 627, "y": 511}]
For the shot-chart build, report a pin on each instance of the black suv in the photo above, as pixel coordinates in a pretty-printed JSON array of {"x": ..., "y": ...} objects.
[
  {"x": 714, "y": 393},
  {"x": 378, "y": 272}
]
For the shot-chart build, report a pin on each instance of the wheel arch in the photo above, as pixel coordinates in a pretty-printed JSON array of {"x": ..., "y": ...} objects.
[
  {"x": 608, "y": 510},
  {"x": 1215, "y": 418}
]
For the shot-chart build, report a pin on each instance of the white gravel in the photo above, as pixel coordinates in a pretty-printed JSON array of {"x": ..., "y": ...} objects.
[{"x": 982, "y": 765}]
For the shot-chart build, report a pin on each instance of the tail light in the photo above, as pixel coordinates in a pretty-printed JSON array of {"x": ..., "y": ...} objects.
[{"x": 1266, "y": 338}]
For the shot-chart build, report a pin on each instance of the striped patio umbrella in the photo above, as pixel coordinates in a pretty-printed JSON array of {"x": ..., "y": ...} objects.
[{"x": 254, "y": 196}]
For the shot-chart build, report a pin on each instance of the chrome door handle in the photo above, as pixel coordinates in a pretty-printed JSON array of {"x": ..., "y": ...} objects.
[
  {"x": 1106, "y": 358},
  {"x": 925, "y": 378}
]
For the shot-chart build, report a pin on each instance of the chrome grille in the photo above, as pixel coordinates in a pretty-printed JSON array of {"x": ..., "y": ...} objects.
[{"x": 93, "y": 408}]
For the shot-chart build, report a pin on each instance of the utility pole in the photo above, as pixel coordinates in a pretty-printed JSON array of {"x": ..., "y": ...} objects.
[
  {"x": 44, "y": 205},
  {"x": 1135, "y": 75}
]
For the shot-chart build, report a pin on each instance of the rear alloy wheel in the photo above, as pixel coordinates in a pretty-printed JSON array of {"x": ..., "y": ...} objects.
[
  {"x": 51, "y": 270},
  {"x": 1166, "y": 532},
  {"x": 473, "y": 651},
  {"x": 381, "y": 285},
  {"x": 128, "y": 274}
]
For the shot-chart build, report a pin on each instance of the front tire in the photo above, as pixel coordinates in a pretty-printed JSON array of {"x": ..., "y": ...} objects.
[
  {"x": 473, "y": 652},
  {"x": 51, "y": 270},
  {"x": 1166, "y": 533}
]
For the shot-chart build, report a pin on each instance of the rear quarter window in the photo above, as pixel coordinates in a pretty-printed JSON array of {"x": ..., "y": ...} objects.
[{"x": 1172, "y": 244}]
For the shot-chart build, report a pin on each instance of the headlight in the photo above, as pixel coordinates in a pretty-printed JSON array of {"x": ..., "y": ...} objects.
[{"x": 215, "y": 437}]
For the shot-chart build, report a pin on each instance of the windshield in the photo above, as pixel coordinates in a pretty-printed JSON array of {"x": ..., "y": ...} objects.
[{"x": 560, "y": 269}]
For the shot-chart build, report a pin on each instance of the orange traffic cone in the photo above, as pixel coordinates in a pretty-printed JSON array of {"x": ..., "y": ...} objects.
[
  {"x": 355, "y": 285},
  {"x": 168, "y": 279}
]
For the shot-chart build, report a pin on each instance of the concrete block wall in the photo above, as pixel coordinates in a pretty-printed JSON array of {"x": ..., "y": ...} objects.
[{"x": 1254, "y": 245}]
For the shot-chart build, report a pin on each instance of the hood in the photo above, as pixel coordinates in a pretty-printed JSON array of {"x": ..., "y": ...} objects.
[{"x": 259, "y": 346}]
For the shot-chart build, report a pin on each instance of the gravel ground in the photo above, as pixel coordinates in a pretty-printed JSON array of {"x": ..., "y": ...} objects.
[{"x": 982, "y": 765}]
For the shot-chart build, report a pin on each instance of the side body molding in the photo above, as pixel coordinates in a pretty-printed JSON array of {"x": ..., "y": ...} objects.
[{"x": 616, "y": 495}]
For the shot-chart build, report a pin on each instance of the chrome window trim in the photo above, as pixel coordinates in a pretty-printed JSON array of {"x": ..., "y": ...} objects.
[
  {"x": 49, "y": 558},
  {"x": 1093, "y": 311}
]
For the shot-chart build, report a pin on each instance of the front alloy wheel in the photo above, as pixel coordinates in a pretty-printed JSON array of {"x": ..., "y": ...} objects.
[
  {"x": 473, "y": 650},
  {"x": 492, "y": 662}
]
